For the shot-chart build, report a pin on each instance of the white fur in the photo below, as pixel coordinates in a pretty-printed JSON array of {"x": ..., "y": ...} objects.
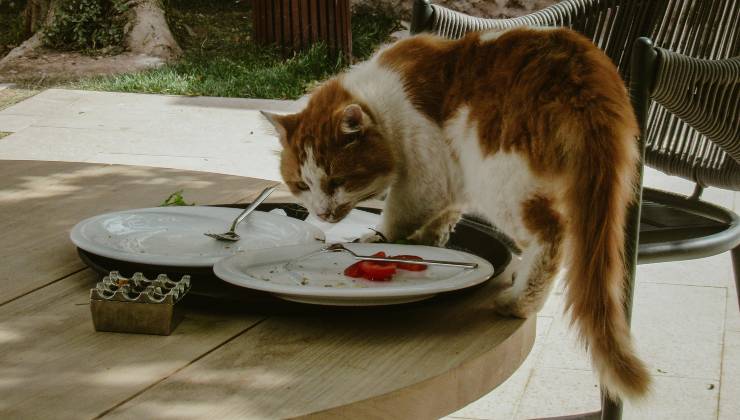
[
  {"x": 490, "y": 35},
  {"x": 316, "y": 200}
]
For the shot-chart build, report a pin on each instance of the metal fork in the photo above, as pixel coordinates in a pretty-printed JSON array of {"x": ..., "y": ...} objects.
[
  {"x": 231, "y": 235},
  {"x": 342, "y": 248}
]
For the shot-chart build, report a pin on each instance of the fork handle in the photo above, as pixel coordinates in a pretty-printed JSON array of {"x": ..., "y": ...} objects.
[
  {"x": 421, "y": 262},
  {"x": 262, "y": 197}
]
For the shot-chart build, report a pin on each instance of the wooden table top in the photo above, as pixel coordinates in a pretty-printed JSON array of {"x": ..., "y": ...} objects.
[{"x": 423, "y": 360}]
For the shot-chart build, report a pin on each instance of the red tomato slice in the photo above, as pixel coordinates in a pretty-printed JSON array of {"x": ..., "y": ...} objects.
[
  {"x": 377, "y": 271},
  {"x": 353, "y": 270},
  {"x": 410, "y": 267},
  {"x": 372, "y": 270}
]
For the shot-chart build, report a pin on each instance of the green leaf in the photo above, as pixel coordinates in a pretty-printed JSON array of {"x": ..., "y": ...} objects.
[{"x": 175, "y": 199}]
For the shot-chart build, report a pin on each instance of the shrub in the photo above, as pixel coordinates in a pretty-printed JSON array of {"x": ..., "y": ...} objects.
[{"x": 88, "y": 26}]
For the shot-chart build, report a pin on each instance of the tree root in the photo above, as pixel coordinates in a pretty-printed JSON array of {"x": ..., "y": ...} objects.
[{"x": 149, "y": 43}]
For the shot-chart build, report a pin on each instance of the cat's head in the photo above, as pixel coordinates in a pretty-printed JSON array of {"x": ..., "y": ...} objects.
[{"x": 334, "y": 155}]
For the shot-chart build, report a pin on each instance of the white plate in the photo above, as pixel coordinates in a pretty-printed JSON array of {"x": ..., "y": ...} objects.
[
  {"x": 175, "y": 235},
  {"x": 320, "y": 279}
]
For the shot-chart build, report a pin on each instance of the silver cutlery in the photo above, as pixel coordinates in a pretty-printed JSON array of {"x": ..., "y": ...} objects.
[
  {"x": 342, "y": 248},
  {"x": 231, "y": 235}
]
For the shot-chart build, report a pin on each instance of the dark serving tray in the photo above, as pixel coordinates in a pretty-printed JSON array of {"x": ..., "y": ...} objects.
[{"x": 470, "y": 235}]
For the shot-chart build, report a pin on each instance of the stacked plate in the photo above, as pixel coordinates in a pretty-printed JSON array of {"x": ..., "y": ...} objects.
[{"x": 262, "y": 259}]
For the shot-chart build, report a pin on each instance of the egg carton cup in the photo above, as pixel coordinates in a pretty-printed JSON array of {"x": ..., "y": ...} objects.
[{"x": 137, "y": 304}]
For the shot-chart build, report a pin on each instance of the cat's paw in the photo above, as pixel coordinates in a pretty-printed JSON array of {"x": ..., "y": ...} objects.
[
  {"x": 437, "y": 231},
  {"x": 372, "y": 237},
  {"x": 433, "y": 237}
]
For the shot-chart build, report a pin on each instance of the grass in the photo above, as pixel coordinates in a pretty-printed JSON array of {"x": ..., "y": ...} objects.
[
  {"x": 221, "y": 60},
  {"x": 13, "y": 95},
  {"x": 12, "y": 32}
]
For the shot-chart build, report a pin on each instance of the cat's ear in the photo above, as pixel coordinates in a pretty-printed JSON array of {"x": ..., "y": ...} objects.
[
  {"x": 284, "y": 124},
  {"x": 354, "y": 119}
]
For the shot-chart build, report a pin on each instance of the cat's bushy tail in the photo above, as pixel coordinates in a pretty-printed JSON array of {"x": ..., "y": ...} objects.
[{"x": 600, "y": 190}]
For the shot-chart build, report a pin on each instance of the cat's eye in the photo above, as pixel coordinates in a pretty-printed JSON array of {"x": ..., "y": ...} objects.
[
  {"x": 301, "y": 186},
  {"x": 336, "y": 182}
]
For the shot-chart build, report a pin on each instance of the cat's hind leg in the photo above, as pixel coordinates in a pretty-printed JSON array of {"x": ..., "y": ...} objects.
[{"x": 534, "y": 273}]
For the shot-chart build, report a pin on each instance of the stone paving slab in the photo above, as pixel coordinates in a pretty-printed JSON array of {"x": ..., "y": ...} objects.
[
  {"x": 224, "y": 135},
  {"x": 729, "y": 400}
]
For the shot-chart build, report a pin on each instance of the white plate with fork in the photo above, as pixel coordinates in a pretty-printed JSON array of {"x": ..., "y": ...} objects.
[
  {"x": 174, "y": 236},
  {"x": 320, "y": 279}
]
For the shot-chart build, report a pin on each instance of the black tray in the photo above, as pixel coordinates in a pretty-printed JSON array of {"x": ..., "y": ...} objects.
[{"x": 470, "y": 235}]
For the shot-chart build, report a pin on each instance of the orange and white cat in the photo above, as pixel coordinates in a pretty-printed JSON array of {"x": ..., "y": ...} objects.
[{"x": 530, "y": 128}]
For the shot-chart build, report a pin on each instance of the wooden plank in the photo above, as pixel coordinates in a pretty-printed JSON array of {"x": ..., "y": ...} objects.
[
  {"x": 323, "y": 20},
  {"x": 54, "y": 365},
  {"x": 41, "y": 202},
  {"x": 305, "y": 6},
  {"x": 269, "y": 21},
  {"x": 286, "y": 27},
  {"x": 295, "y": 19},
  {"x": 346, "y": 30},
  {"x": 257, "y": 21},
  {"x": 331, "y": 29},
  {"x": 419, "y": 361},
  {"x": 314, "y": 20}
]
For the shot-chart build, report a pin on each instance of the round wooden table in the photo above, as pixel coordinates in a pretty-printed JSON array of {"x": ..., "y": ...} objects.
[{"x": 422, "y": 360}]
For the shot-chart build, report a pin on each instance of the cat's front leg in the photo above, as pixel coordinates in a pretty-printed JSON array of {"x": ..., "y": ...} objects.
[
  {"x": 436, "y": 231},
  {"x": 406, "y": 216}
]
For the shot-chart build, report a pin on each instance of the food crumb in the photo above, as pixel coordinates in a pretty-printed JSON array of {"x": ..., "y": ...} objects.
[
  {"x": 710, "y": 387},
  {"x": 304, "y": 281},
  {"x": 328, "y": 285}
]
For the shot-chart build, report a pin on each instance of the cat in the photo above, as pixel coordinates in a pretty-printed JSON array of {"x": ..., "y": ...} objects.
[{"x": 530, "y": 128}]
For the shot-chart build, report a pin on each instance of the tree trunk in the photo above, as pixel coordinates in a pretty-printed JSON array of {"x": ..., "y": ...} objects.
[
  {"x": 148, "y": 32},
  {"x": 37, "y": 14}
]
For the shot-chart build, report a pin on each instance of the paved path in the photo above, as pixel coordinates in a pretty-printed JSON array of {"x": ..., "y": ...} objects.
[
  {"x": 686, "y": 321},
  {"x": 223, "y": 135}
]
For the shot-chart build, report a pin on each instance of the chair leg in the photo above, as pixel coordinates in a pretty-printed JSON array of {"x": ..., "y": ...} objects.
[
  {"x": 610, "y": 409},
  {"x": 736, "y": 271}
]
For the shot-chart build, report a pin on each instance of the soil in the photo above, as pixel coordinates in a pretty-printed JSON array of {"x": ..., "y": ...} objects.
[
  {"x": 44, "y": 66},
  {"x": 149, "y": 44}
]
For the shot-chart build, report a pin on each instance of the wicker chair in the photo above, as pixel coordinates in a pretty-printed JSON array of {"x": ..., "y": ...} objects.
[{"x": 691, "y": 129}]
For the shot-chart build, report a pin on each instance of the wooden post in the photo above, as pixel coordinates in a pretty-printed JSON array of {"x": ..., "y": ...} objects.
[{"x": 294, "y": 25}]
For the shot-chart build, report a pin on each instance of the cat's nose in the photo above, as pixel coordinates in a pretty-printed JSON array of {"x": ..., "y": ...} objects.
[
  {"x": 330, "y": 216},
  {"x": 327, "y": 216}
]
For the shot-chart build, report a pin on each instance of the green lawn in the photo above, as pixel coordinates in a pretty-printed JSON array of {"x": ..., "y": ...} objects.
[{"x": 221, "y": 60}]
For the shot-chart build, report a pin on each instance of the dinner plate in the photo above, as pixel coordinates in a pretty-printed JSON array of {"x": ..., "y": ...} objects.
[
  {"x": 320, "y": 279},
  {"x": 174, "y": 236}
]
